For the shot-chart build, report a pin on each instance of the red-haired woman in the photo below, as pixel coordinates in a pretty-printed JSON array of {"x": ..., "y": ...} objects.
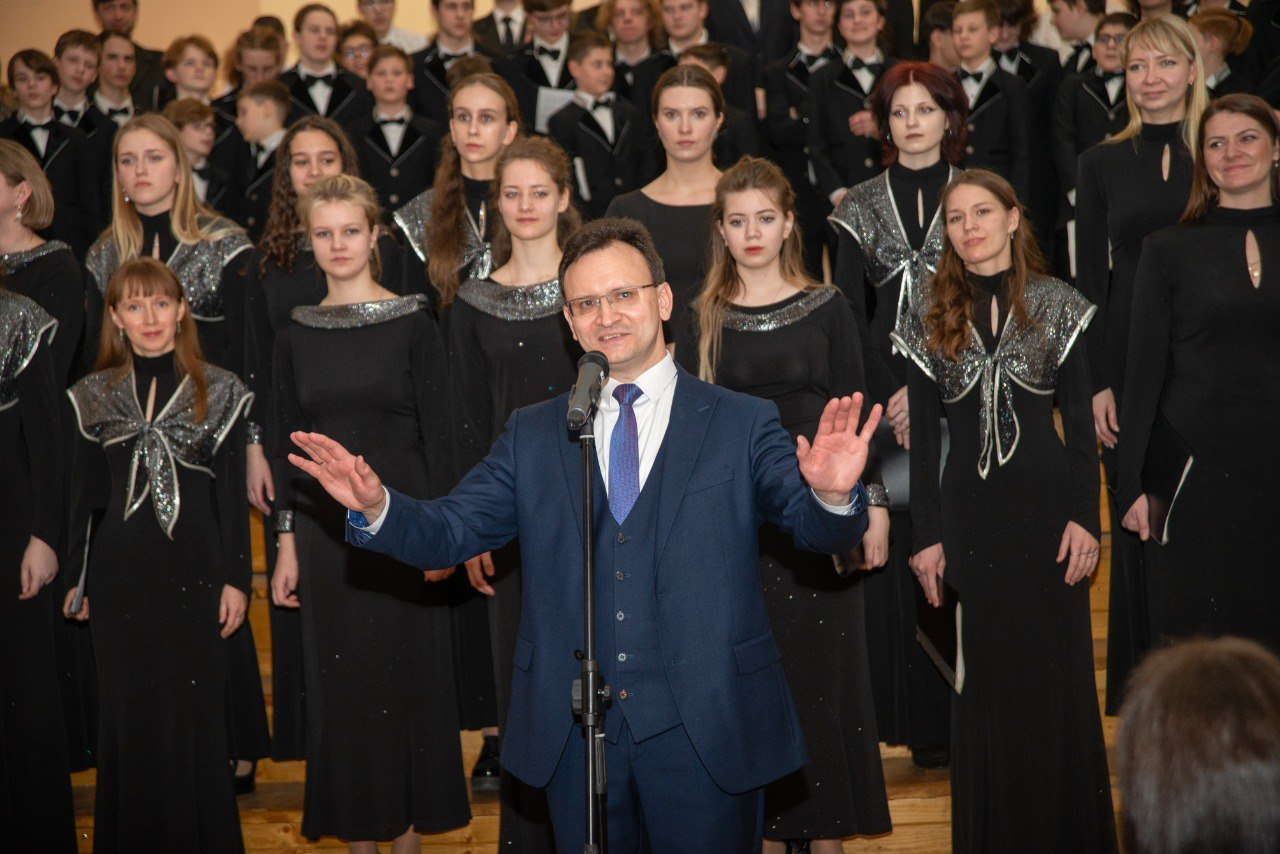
[
  {"x": 168, "y": 571},
  {"x": 1014, "y": 524},
  {"x": 890, "y": 234},
  {"x": 1204, "y": 360}
]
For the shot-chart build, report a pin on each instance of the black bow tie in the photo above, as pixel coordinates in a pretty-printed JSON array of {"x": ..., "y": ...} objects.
[
  {"x": 112, "y": 112},
  {"x": 809, "y": 59},
  {"x": 399, "y": 120},
  {"x": 1106, "y": 76},
  {"x": 30, "y": 125},
  {"x": 447, "y": 58},
  {"x": 204, "y": 172},
  {"x": 63, "y": 113},
  {"x": 964, "y": 74},
  {"x": 601, "y": 104},
  {"x": 1010, "y": 55},
  {"x": 874, "y": 67},
  {"x": 309, "y": 81},
  {"x": 552, "y": 52}
]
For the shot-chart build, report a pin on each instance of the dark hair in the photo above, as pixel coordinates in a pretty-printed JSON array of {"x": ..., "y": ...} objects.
[
  {"x": 187, "y": 111},
  {"x": 268, "y": 90},
  {"x": 356, "y": 28},
  {"x": 173, "y": 53},
  {"x": 710, "y": 55},
  {"x": 300, "y": 17},
  {"x": 1116, "y": 19},
  {"x": 78, "y": 38},
  {"x": 1198, "y": 750},
  {"x": 532, "y": 6},
  {"x": 987, "y": 8},
  {"x": 39, "y": 63},
  {"x": 1093, "y": 7},
  {"x": 107, "y": 35},
  {"x": 583, "y": 42},
  {"x": 603, "y": 233},
  {"x": 936, "y": 17},
  {"x": 1204, "y": 193},
  {"x": 97, "y": 3},
  {"x": 690, "y": 76},
  {"x": 270, "y": 22},
  {"x": 256, "y": 37},
  {"x": 885, "y": 40},
  {"x": 946, "y": 92},
  {"x": 1018, "y": 13},
  {"x": 949, "y": 318},
  {"x": 467, "y": 66},
  {"x": 389, "y": 51}
]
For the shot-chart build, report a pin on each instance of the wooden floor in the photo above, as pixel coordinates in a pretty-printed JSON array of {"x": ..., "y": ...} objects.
[{"x": 919, "y": 801}]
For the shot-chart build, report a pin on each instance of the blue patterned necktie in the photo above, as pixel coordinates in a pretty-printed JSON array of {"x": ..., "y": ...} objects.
[{"x": 624, "y": 454}]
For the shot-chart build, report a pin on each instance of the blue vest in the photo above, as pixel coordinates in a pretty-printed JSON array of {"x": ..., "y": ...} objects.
[{"x": 627, "y": 644}]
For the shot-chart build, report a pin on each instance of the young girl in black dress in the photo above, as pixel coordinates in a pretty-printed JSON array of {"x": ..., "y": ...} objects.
[
  {"x": 1126, "y": 188},
  {"x": 890, "y": 232},
  {"x": 383, "y": 760},
  {"x": 761, "y": 326},
  {"x": 161, "y": 448},
  {"x": 1204, "y": 355},
  {"x": 1014, "y": 524},
  {"x": 449, "y": 226}
]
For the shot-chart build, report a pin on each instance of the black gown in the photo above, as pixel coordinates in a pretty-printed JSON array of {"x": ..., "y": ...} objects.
[
  {"x": 270, "y": 294},
  {"x": 158, "y": 562},
  {"x": 800, "y": 353},
  {"x": 382, "y": 722},
  {"x": 1028, "y": 762},
  {"x": 36, "y": 810},
  {"x": 1121, "y": 197},
  {"x": 896, "y": 216},
  {"x": 1206, "y": 357},
  {"x": 509, "y": 347},
  {"x": 682, "y": 234}
]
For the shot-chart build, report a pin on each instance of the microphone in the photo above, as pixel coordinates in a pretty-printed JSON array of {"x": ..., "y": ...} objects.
[{"x": 593, "y": 370}]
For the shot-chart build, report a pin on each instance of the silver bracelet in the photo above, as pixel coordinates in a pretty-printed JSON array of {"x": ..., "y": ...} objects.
[
  {"x": 877, "y": 495},
  {"x": 284, "y": 521},
  {"x": 253, "y": 433}
]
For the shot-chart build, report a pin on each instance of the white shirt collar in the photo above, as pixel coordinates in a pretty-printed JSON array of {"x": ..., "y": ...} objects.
[
  {"x": 272, "y": 142},
  {"x": 104, "y": 103},
  {"x": 654, "y": 383},
  {"x": 24, "y": 116},
  {"x": 469, "y": 48},
  {"x": 987, "y": 68},
  {"x": 588, "y": 101},
  {"x": 875, "y": 57},
  {"x": 331, "y": 68},
  {"x": 561, "y": 44},
  {"x": 403, "y": 113},
  {"x": 80, "y": 107}
]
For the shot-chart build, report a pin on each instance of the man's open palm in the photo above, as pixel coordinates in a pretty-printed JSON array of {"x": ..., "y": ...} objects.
[
  {"x": 834, "y": 461},
  {"x": 347, "y": 478}
]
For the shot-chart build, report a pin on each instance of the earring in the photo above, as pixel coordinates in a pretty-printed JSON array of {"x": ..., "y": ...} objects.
[
  {"x": 888, "y": 135},
  {"x": 178, "y": 330},
  {"x": 17, "y": 214},
  {"x": 126, "y": 197},
  {"x": 123, "y": 340}
]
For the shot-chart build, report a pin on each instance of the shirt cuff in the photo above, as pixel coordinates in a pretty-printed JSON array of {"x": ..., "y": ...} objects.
[
  {"x": 366, "y": 530},
  {"x": 855, "y": 506}
]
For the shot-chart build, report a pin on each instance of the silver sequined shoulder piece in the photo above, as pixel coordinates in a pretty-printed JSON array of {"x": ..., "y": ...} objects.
[
  {"x": 15, "y": 261},
  {"x": 24, "y": 326},
  {"x": 199, "y": 266},
  {"x": 743, "y": 321},
  {"x": 102, "y": 260},
  {"x": 1062, "y": 311},
  {"x": 358, "y": 314},
  {"x": 413, "y": 218},
  {"x": 529, "y": 302}
]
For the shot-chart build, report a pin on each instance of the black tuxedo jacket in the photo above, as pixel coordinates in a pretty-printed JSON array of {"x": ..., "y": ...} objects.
[
  {"x": 1084, "y": 117},
  {"x": 840, "y": 159},
  {"x": 727, "y": 24},
  {"x": 738, "y": 138},
  {"x": 148, "y": 84},
  {"x": 348, "y": 102},
  {"x": 1072, "y": 64},
  {"x": 430, "y": 94},
  {"x": 739, "y": 87},
  {"x": 485, "y": 32},
  {"x": 402, "y": 176},
  {"x": 70, "y": 167},
  {"x": 1040, "y": 68},
  {"x": 256, "y": 203},
  {"x": 998, "y": 131},
  {"x": 602, "y": 169},
  {"x": 100, "y": 134},
  {"x": 786, "y": 124},
  {"x": 524, "y": 72},
  {"x": 223, "y": 193}
]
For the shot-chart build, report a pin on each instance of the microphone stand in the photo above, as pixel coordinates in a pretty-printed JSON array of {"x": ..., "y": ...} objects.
[{"x": 590, "y": 694}]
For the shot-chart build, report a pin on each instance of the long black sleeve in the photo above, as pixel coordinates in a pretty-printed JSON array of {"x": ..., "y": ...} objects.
[
  {"x": 850, "y": 277},
  {"x": 925, "y": 406},
  {"x": 828, "y": 175},
  {"x": 1019, "y": 139},
  {"x": 259, "y": 341},
  {"x": 430, "y": 381},
  {"x": 1063, "y": 137},
  {"x": 40, "y": 412},
  {"x": 1075, "y": 401},
  {"x": 89, "y": 496},
  {"x": 1093, "y": 268},
  {"x": 286, "y": 417},
  {"x": 471, "y": 404},
  {"x": 845, "y": 367},
  {"x": 233, "y": 508},
  {"x": 782, "y": 128},
  {"x": 233, "y": 287}
]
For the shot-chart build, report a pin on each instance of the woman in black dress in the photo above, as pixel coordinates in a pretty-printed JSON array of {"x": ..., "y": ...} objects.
[
  {"x": 762, "y": 327},
  {"x": 383, "y": 761},
  {"x": 510, "y": 347},
  {"x": 450, "y": 225},
  {"x": 35, "y": 782},
  {"x": 281, "y": 276},
  {"x": 1204, "y": 360},
  {"x": 161, "y": 447},
  {"x": 890, "y": 237},
  {"x": 1014, "y": 524},
  {"x": 688, "y": 110},
  {"x": 1126, "y": 188}
]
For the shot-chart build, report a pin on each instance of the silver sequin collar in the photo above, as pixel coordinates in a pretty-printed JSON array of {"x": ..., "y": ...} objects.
[
  {"x": 415, "y": 218},
  {"x": 15, "y": 261},
  {"x": 528, "y": 302},
  {"x": 358, "y": 314},
  {"x": 198, "y": 266},
  {"x": 24, "y": 326},
  {"x": 109, "y": 412},
  {"x": 1029, "y": 356},
  {"x": 793, "y": 312}
]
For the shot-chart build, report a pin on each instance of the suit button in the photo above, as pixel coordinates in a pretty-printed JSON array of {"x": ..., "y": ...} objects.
[
  {"x": 622, "y": 538},
  {"x": 868, "y": 163},
  {"x": 621, "y": 616},
  {"x": 622, "y": 695},
  {"x": 395, "y": 200},
  {"x": 1107, "y": 136},
  {"x": 971, "y": 127},
  {"x": 395, "y": 173},
  {"x": 622, "y": 656},
  {"x": 252, "y": 220},
  {"x": 617, "y": 182},
  {"x": 968, "y": 149},
  {"x": 618, "y": 576}
]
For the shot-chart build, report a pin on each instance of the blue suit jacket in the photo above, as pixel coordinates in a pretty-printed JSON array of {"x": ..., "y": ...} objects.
[{"x": 726, "y": 466}]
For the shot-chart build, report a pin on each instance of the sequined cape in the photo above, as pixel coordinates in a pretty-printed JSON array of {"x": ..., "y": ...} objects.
[
  {"x": 353, "y": 315},
  {"x": 198, "y": 266},
  {"x": 1027, "y": 355},
  {"x": 870, "y": 215},
  {"x": 415, "y": 217},
  {"x": 12, "y": 262},
  {"x": 742, "y": 321},
  {"x": 109, "y": 412},
  {"x": 527, "y": 302},
  {"x": 24, "y": 325}
]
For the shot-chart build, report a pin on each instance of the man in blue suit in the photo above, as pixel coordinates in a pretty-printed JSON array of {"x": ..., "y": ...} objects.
[{"x": 701, "y": 717}]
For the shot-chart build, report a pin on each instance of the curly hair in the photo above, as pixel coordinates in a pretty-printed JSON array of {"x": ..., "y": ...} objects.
[{"x": 280, "y": 237}]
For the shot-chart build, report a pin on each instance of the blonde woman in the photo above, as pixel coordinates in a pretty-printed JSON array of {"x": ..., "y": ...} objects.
[{"x": 1127, "y": 188}]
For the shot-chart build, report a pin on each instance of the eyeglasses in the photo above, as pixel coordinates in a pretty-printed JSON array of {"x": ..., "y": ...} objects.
[
  {"x": 549, "y": 18},
  {"x": 620, "y": 299},
  {"x": 376, "y": 4},
  {"x": 357, "y": 52},
  {"x": 1116, "y": 39}
]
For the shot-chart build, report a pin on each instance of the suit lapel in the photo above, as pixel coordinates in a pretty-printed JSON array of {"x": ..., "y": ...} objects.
[
  {"x": 59, "y": 137},
  {"x": 302, "y": 95},
  {"x": 990, "y": 91},
  {"x": 592, "y": 127},
  {"x": 846, "y": 80},
  {"x": 338, "y": 98},
  {"x": 691, "y": 411},
  {"x": 571, "y": 465}
]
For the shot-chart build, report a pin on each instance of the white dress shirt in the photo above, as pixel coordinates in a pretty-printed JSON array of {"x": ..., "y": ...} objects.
[
  {"x": 603, "y": 117},
  {"x": 78, "y": 109},
  {"x": 407, "y": 40},
  {"x": 752, "y": 8},
  {"x": 516, "y": 16},
  {"x": 552, "y": 67},
  {"x": 973, "y": 88},
  {"x": 201, "y": 185},
  {"x": 394, "y": 133},
  {"x": 40, "y": 136},
  {"x": 102, "y": 103},
  {"x": 1115, "y": 86},
  {"x": 268, "y": 147},
  {"x": 865, "y": 78},
  {"x": 320, "y": 92}
]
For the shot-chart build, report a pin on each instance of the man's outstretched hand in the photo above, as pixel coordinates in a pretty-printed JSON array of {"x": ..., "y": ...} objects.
[
  {"x": 347, "y": 478},
  {"x": 833, "y": 462}
]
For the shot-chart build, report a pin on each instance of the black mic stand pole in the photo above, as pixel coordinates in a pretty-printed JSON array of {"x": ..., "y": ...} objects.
[{"x": 590, "y": 694}]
